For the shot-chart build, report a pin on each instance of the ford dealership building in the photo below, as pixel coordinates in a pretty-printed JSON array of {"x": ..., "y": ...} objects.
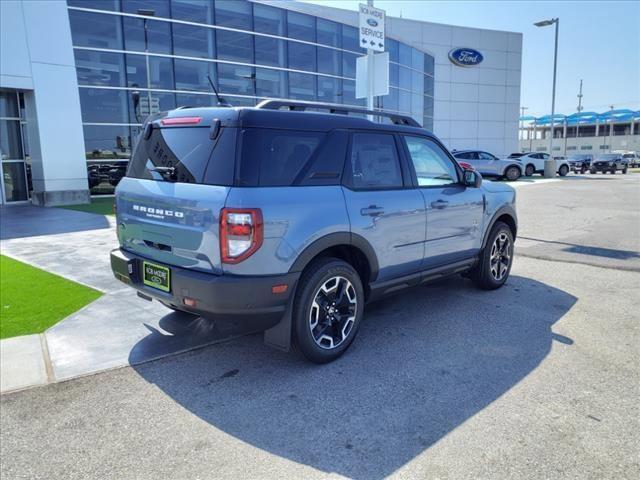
[{"x": 78, "y": 77}]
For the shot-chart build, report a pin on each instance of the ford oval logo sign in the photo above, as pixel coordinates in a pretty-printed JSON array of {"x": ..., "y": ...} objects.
[
  {"x": 465, "y": 57},
  {"x": 372, "y": 22}
]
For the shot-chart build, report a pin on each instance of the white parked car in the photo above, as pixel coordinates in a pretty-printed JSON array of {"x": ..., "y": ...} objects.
[
  {"x": 533, "y": 162},
  {"x": 489, "y": 165}
]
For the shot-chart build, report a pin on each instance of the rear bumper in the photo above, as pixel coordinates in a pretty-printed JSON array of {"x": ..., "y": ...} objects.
[{"x": 234, "y": 296}]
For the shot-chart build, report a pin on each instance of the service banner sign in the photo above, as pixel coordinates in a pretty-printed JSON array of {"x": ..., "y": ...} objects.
[{"x": 371, "y": 22}]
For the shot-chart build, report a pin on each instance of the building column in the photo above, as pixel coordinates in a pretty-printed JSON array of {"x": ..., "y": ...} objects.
[{"x": 52, "y": 104}]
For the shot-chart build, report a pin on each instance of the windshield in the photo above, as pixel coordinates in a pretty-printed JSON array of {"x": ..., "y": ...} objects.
[
  {"x": 516, "y": 155},
  {"x": 607, "y": 156},
  {"x": 578, "y": 157}
]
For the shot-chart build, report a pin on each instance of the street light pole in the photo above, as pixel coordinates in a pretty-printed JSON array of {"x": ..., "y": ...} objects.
[
  {"x": 611, "y": 107},
  {"x": 147, "y": 13},
  {"x": 522, "y": 109},
  {"x": 579, "y": 111},
  {"x": 550, "y": 164}
]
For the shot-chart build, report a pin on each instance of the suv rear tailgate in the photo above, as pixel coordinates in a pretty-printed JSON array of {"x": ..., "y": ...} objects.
[{"x": 172, "y": 223}]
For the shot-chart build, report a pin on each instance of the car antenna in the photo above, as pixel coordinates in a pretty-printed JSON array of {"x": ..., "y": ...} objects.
[{"x": 221, "y": 101}]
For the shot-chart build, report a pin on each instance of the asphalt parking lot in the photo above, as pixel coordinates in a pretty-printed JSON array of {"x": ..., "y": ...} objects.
[{"x": 539, "y": 379}]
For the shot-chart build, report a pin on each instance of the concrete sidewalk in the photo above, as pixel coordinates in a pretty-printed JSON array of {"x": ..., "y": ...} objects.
[{"x": 116, "y": 330}]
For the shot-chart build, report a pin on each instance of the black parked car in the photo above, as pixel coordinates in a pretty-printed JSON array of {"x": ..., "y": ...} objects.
[
  {"x": 609, "y": 162},
  {"x": 580, "y": 163}
]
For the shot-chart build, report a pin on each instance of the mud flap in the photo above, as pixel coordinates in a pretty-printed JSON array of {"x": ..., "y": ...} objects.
[{"x": 279, "y": 336}]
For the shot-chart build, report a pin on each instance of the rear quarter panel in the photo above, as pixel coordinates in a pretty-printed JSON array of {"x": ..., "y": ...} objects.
[
  {"x": 500, "y": 198},
  {"x": 294, "y": 217}
]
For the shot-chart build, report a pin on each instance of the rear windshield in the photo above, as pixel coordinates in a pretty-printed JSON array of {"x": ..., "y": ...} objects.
[
  {"x": 516, "y": 155},
  {"x": 190, "y": 151}
]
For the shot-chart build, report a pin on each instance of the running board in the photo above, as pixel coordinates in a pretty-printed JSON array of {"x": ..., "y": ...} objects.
[{"x": 381, "y": 289}]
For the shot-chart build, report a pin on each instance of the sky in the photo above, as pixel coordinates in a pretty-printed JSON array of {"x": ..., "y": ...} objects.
[{"x": 599, "y": 42}]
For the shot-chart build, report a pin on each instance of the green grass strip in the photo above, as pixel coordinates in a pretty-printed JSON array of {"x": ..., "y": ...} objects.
[
  {"x": 32, "y": 300},
  {"x": 99, "y": 205}
]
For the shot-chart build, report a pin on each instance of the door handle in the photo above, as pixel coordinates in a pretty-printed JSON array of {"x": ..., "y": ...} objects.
[
  {"x": 440, "y": 204},
  {"x": 372, "y": 211}
]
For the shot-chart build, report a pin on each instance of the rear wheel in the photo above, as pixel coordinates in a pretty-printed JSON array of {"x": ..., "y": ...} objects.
[
  {"x": 512, "y": 174},
  {"x": 328, "y": 308},
  {"x": 563, "y": 170},
  {"x": 496, "y": 258}
]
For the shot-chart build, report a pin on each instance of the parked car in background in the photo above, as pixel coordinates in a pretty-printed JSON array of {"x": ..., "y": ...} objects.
[
  {"x": 489, "y": 165},
  {"x": 632, "y": 158},
  {"x": 609, "y": 162},
  {"x": 533, "y": 162},
  {"x": 116, "y": 172},
  {"x": 580, "y": 162}
]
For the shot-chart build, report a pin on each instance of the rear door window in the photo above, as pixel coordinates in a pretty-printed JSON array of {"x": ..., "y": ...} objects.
[
  {"x": 272, "y": 158},
  {"x": 188, "y": 150},
  {"x": 374, "y": 162}
]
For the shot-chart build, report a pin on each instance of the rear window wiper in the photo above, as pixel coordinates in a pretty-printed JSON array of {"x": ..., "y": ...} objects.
[{"x": 167, "y": 172}]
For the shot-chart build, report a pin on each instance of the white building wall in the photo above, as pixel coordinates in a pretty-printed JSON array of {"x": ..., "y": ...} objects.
[
  {"x": 474, "y": 107},
  {"x": 37, "y": 57}
]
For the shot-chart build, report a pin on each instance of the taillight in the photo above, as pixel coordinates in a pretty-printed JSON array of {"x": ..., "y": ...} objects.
[{"x": 241, "y": 233}]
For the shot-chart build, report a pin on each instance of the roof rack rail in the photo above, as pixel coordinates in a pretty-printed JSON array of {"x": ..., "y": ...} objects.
[{"x": 337, "y": 108}]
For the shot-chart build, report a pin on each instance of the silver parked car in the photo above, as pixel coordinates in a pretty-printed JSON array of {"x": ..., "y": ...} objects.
[{"x": 489, "y": 165}]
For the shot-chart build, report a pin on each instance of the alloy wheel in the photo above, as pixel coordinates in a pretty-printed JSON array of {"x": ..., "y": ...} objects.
[
  {"x": 333, "y": 312},
  {"x": 500, "y": 256}
]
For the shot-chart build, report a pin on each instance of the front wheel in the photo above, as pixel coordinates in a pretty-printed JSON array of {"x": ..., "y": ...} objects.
[
  {"x": 529, "y": 170},
  {"x": 496, "y": 258},
  {"x": 624, "y": 170},
  {"x": 328, "y": 308},
  {"x": 583, "y": 169},
  {"x": 563, "y": 170},
  {"x": 512, "y": 174}
]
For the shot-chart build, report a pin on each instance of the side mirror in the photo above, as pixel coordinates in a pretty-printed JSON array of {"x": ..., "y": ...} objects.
[{"x": 472, "y": 178}]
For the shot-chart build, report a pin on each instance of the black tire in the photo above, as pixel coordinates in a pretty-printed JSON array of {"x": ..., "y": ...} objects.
[
  {"x": 624, "y": 170},
  {"x": 583, "y": 169},
  {"x": 613, "y": 171},
  {"x": 592, "y": 171},
  {"x": 484, "y": 273},
  {"x": 317, "y": 343},
  {"x": 512, "y": 173},
  {"x": 563, "y": 170},
  {"x": 529, "y": 170}
]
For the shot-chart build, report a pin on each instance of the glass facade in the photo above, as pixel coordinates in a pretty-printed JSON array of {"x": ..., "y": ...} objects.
[
  {"x": 15, "y": 183},
  {"x": 251, "y": 51}
]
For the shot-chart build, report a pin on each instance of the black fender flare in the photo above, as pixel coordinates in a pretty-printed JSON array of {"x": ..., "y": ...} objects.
[
  {"x": 504, "y": 210},
  {"x": 334, "y": 240}
]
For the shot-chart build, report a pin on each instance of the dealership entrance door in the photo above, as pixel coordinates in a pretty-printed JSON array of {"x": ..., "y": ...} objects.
[{"x": 13, "y": 151}]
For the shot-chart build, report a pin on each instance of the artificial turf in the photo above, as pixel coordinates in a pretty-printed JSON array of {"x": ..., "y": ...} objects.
[
  {"x": 99, "y": 205},
  {"x": 32, "y": 300}
]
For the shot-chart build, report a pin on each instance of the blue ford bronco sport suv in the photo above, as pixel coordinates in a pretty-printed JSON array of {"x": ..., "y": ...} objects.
[{"x": 293, "y": 220}]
